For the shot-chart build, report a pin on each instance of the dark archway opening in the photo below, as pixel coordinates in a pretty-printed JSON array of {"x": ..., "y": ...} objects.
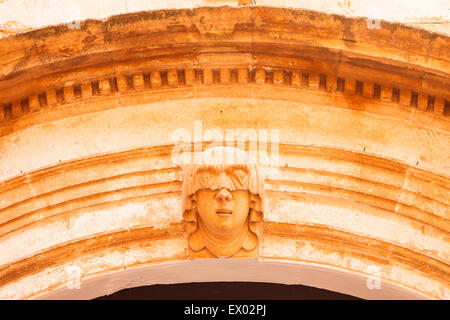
[{"x": 226, "y": 291}]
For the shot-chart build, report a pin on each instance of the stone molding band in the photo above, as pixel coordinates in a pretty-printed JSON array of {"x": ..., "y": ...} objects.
[
  {"x": 225, "y": 76},
  {"x": 176, "y": 52}
]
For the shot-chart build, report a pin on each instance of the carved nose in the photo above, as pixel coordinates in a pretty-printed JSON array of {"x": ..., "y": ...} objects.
[{"x": 223, "y": 195}]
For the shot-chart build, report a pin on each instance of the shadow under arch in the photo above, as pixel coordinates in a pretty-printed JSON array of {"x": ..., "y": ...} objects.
[{"x": 235, "y": 270}]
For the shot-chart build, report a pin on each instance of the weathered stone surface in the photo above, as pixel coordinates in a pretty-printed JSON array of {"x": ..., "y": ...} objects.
[
  {"x": 361, "y": 178},
  {"x": 222, "y": 209}
]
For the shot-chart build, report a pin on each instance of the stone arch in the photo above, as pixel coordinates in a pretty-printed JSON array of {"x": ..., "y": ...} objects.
[{"x": 87, "y": 177}]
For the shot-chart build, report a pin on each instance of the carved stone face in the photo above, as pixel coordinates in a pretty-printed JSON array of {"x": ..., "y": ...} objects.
[
  {"x": 223, "y": 212},
  {"x": 223, "y": 206}
]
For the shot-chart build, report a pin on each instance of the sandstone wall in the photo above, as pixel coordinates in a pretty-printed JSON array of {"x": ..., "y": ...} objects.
[{"x": 88, "y": 182}]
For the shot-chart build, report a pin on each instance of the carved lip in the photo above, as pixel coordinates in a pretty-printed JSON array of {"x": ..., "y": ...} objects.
[{"x": 224, "y": 212}]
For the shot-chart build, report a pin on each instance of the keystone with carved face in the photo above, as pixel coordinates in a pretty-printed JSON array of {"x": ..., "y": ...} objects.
[{"x": 223, "y": 204}]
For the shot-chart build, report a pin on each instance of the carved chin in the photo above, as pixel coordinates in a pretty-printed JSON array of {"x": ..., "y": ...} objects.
[{"x": 245, "y": 240}]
